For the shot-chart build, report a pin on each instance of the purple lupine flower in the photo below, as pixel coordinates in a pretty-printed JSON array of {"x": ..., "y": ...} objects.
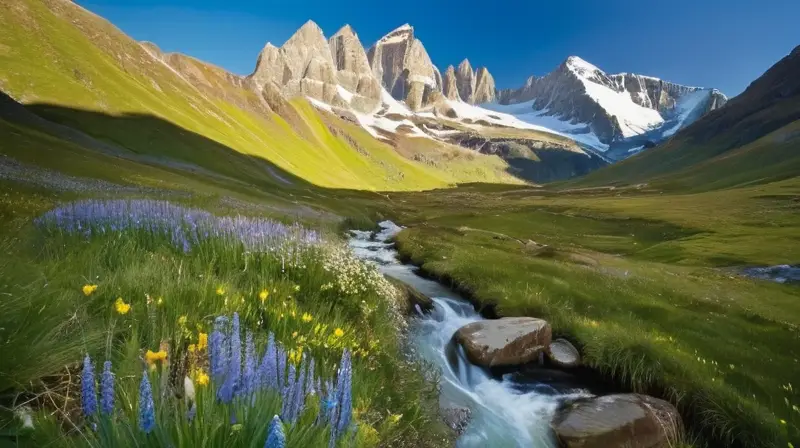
[
  {"x": 299, "y": 393},
  {"x": 287, "y": 404},
  {"x": 88, "y": 392},
  {"x": 281, "y": 368},
  {"x": 276, "y": 438},
  {"x": 268, "y": 371},
  {"x": 235, "y": 366},
  {"x": 328, "y": 405},
  {"x": 218, "y": 350},
  {"x": 147, "y": 417},
  {"x": 107, "y": 389},
  {"x": 249, "y": 379},
  {"x": 344, "y": 387},
  {"x": 310, "y": 385},
  {"x": 192, "y": 412}
]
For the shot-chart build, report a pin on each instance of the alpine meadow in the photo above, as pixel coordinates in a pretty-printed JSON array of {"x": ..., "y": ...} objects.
[{"x": 349, "y": 247}]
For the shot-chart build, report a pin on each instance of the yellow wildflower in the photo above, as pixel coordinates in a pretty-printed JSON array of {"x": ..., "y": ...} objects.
[
  {"x": 263, "y": 295},
  {"x": 160, "y": 301},
  {"x": 295, "y": 356},
  {"x": 394, "y": 418},
  {"x": 220, "y": 291},
  {"x": 296, "y": 288},
  {"x": 201, "y": 378},
  {"x": 237, "y": 427},
  {"x": 293, "y": 313},
  {"x": 89, "y": 289},
  {"x": 294, "y": 335},
  {"x": 338, "y": 332},
  {"x": 307, "y": 317},
  {"x": 202, "y": 341},
  {"x": 192, "y": 348},
  {"x": 121, "y": 307},
  {"x": 151, "y": 357},
  {"x": 182, "y": 321},
  {"x": 783, "y": 422}
]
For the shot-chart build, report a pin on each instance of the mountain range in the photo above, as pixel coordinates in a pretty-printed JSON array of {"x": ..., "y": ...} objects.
[
  {"x": 408, "y": 124},
  {"x": 623, "y": 113}
]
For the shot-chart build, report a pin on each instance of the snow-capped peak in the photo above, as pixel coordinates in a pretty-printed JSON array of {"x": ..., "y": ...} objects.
[
  {"x": 399, "y": 34},
  {"x": 580, "y": 66}
]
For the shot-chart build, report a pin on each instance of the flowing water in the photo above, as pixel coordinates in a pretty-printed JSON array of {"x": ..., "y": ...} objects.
[{"x": 506, "y": 412}]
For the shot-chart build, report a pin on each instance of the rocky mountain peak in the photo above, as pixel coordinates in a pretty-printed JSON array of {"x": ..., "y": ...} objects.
[
  {"x": 346, "y": 31},
  {"x": 401, "y": 64},
  {"x": 465, "y": 78},
  {"x": 354, "y": 73},
  {"x": 450, "y": 84},
  {"x": 485, "y": 91}
]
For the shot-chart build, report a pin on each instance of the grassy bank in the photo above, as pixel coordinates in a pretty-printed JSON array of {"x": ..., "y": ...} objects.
[
  {"x": 154, "y": 293},
  {"x": 633, "y": 284}
]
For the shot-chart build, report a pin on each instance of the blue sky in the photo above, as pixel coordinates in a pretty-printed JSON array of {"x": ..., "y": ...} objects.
[{"x": 722, "y": 44}]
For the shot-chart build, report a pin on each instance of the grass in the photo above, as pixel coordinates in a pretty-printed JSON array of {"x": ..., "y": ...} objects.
[
  {"x": 640, "y": 281},
  {"x": 174, "y": 296}
]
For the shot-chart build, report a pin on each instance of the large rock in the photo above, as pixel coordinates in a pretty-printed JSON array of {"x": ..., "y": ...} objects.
[
  {"x": 303, "y": 66},
  {"x": 353, "y": 71},
  {"x": 401, "y": 64},
  {"x": 465, "y": 78},
  {"x": 450, "y": 85},
  {"x": 562, "y": 353},
  {"x": 623, "y": 420},
  {"x": 457, "y": 418},
  {"x": 510, "y": 341},
  {"x": 485, "y": 91}
]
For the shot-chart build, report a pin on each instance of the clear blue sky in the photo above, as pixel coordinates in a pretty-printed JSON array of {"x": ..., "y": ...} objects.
[{"x": 713, "y": 43}]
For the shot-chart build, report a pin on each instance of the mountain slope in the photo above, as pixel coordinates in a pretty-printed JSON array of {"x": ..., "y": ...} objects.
[
  {"x": 82, "y": 72},
  {"x": 754, "y": 138}
]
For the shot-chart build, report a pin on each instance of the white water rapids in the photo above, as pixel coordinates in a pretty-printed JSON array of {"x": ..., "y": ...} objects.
[{"x": 505, "y": 413}]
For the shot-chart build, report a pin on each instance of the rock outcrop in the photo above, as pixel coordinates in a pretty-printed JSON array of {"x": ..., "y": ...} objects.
[
  {"x": 354, "y": 73},
  {"x": 510, "y": 341},
  {"x": 303, "y": 66},
  {"x": 450, "y": 84},
  {"x": 485, "y": 91},
  {"x": 629, "y": 420},
  {"x": 401, "y": 64},
  {"x": 465, "y": 78}
]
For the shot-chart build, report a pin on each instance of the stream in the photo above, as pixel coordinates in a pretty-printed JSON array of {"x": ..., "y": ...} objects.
[{"x": 510, "y": 411}]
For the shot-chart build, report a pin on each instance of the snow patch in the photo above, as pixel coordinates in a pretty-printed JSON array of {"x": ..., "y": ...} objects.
[
  {"x": 319, "y": 104},
  {"x": 345, "y": 94}
]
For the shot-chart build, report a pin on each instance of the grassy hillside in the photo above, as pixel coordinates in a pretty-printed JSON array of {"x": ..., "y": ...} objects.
[
  {"x": 74, "y": 68},
  {"x": 755, "y": 138}
]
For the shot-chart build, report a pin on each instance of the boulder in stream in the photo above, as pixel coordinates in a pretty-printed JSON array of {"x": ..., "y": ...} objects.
[
  {"x": 509, "y": 341},
  {"x": 562, "y": 353},
  {"x": 457, "y": 418},
  {"x": 629, "y": 420}
]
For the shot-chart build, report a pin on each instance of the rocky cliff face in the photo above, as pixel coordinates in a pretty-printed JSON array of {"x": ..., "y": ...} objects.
[
  {"x": 303, "y": 66},
  {"x": 450, "y": 84},
  {"x": 485, "y": 91},
  {"x": 465, "y": 77},
  {"x": 399, "y": 61},
  {"x": 354, "y": 73}
]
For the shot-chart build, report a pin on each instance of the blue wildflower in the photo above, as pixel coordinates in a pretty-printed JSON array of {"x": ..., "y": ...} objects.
[
  {"x": 287, "y": 405},
  {"x": 107, "y": 390},
  {"x": 276, "y": 438},
  {"x": 88, "y": 393},
  {"x": 235, "y": 366},
  {"x": 281, "y": 368},
  {"x": 147, "y": 417},
  {"x": 192, "y": 412},
  {"x": 344, "y": 386},
  {"x": 310, "y": 385},
  {"x": 268, "y": 371},
  {"x": 249, "y": 378},
  {"x": 218, "y": 350},
  {"x": 299, "y": 394}
]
